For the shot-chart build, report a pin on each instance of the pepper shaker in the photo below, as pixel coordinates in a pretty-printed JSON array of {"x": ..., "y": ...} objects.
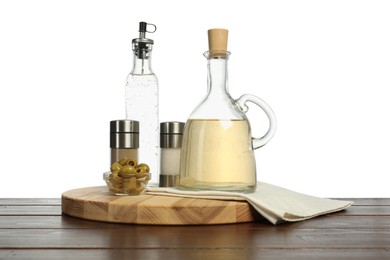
[{"x": 124, "y": 139}]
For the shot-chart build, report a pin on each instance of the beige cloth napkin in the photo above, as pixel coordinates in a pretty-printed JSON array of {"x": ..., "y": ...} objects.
[{"x": 274, "y": 203}]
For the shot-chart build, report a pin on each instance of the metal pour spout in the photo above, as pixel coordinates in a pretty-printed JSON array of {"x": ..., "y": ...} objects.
[{"x": 142, "y": 45}]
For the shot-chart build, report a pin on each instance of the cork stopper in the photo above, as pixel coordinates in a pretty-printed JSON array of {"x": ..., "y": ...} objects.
[{"x": 218, "y": 40}]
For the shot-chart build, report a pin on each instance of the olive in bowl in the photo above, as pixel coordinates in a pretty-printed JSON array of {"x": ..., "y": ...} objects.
[{"x": 127, "y": 177}]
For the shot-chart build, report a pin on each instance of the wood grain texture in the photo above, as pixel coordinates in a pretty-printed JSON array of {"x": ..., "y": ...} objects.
[
  {"x": 188, "y": 237},
  {"x": 27, "y": 232},
  {"x": 96, "y": 203},
  {"x": 333, "y": 221},
  {"x": 30, "y": 201},
  {"x": 188, "y": 254}
]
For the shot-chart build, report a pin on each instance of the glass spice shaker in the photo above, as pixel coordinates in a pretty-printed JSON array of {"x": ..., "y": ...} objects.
[
  {"x": 171, "y": 134},
  {"x": 124, "y": 139}
]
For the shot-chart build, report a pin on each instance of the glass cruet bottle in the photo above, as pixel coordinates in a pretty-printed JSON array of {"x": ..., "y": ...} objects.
[
  {"x": 217, "y": 149},
  {"x": 141, "y": 92}
]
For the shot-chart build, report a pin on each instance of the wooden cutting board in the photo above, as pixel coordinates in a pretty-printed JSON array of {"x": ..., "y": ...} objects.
[{"x": 96, "y": 203}]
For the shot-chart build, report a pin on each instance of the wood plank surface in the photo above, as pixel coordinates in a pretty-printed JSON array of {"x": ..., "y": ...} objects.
[
  {"x": 213, "y": 254},
  {"x": 333, "y": 221},
  {"x": 183, "y": 237},
  {"x": 27, "y": 231},
  {"x": 49, "y": 210},
  {"x": 57, "y": 201},
  {"x": 196, "y": 254},
  {"x": 96, "y": 203},
  {"x": 56, "y": 210},
  {"x": 30, "y": 201},
  {"x": 368, "y": 201}
]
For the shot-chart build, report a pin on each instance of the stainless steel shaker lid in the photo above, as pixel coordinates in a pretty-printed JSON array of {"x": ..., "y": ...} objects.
[
  {"x": 171, "y": 128},
  {"x": 124, "y": 134},
  {"x": 171, "y": 134},
  {"x": 124, "y": 126}
]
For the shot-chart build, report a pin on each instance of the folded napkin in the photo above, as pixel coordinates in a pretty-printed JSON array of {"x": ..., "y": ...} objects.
[{"x": 274, "y": 203}]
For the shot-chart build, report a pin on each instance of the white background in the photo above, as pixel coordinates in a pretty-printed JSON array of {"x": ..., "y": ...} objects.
[{"x": 323, "y": 66}]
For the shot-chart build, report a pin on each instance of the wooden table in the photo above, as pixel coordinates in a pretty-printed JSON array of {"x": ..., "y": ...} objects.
[{"x": 36, "y": 229}]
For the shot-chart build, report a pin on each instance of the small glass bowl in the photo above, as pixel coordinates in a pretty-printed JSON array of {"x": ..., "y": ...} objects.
[{"x": 127, "y": 185}]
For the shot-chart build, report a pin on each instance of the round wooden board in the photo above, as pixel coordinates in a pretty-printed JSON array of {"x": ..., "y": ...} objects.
[{"x": 96, "y": 203}]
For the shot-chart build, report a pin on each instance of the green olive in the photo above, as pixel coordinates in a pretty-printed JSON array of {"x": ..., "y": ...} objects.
[
  {"x": 141, "y": 173},
  {"x": 144, "y": 166},
  {"x": 140, "y": 170},
  {"x": 129, "y": 185},
  {"x": 126, "y": 170},
  {"x": 140, "y": 186},
  {"x": 115, "y": 181},
  {"x": 116, "y": 166},
  {"x": 132, "y": 162},
  {"x": 115, "y": 172},
  {"x": 123, "y": 161}
]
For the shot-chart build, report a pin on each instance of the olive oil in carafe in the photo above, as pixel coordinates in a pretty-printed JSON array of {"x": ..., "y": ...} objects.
[
  {"x": 217, "y": 149},
  {"x": 217, "y": 155}
]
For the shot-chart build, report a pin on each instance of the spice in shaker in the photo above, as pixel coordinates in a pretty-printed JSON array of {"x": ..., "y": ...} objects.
[
  {"x": 124, "y": 139},
  {"x": 171, "y": 134}
]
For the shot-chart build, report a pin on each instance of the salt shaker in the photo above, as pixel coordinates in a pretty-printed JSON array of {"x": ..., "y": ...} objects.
[
  {"x": 171, "y": 134},
  {"x": 124, "y": 139}
]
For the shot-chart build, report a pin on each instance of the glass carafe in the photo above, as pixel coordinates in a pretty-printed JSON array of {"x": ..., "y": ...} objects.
[{"x": 217, "y": 149}]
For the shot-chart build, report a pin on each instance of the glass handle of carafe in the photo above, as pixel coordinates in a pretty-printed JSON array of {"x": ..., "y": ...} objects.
[{"x": 259, "y": 142}]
